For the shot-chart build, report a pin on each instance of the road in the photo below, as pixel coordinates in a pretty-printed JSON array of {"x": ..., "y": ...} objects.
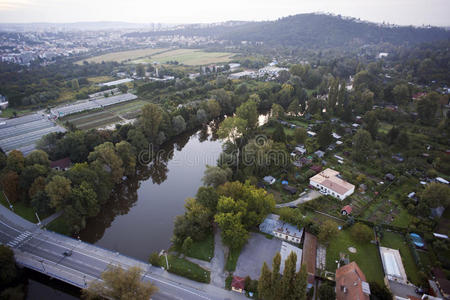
[
  {"x": 310, "y": 195},
  {"x": 43, "y": 250}
]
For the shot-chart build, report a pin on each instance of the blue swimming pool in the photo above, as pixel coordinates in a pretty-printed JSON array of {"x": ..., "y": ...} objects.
[{"x": 417, "y": 240}]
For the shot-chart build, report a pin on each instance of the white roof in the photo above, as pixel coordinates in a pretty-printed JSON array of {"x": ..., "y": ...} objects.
[
  {"x": 442, "y": 180},
  {"x": 442, "y": 236},
  {"x": 391, "y": 264},
  {"x": 285, "y": 251}
]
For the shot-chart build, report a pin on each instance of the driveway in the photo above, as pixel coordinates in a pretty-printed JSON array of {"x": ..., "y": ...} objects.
[
  {"x": 259, "y": 249},
  {"x": 310, "y": 195}
]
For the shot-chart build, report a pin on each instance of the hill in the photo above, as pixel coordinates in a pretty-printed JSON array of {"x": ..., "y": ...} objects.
[{"x": 314, "y": 31}]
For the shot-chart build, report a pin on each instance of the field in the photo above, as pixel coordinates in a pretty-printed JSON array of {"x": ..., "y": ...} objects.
[
  {"x": 109, "y": 115},
  {"x": 191, "y": 57},
  {"x": 366, "y": 256},
  {"x": 122, "y": 55}
]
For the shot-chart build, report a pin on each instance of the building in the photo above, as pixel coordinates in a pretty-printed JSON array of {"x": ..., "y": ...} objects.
[
  {"x": 238, "y": 284},
  {"x": 393, "y": 265},
  {"x": 309, "y": 257},
  {"x": 346, "y": 210},
  {"x": 269, "y": 179},
  {"x": 61, "y": 164},
  {"x": 274, "y": 226},
  {"x": 329, "y": 183},
  {"x": 351, "y": 283},
  {"x": 285, "y": 251}
]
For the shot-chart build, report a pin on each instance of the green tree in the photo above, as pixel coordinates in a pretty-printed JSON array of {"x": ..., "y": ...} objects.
[
  {"x": 10, "y": 185},
  {"x": 300, "y": 135},
  {"x": 277, "y": 111},
  {"x": 401, "y": 94},
  {"x": 125, "y": 151},
  {"x": 38, "y": 157},
  {"x": 326, "y": 291},
  {"x": 294, "y": 107},
  {"x": 8, "y": 269},
  {"x": 278, "y": 134},
  {"x": 361, "y": 233},
  {"x": 288, "y": 280},
  {"x": 362, "y": 145},
  {"x": 120, "y": 284},
  {"x": 300, "y": 285},
  {"x": 58, "y": 190},
  {"x": 248, "y": 111},
  {"x": 201, "y": 116},
  {"x": 427, "y": 107},
  {"x": 178, "y": 124},
  {"x": 75, "y": 84},
  {"x": 15, "y": 161},
  {"x": 234, "y": 234},
  {"x": 208, "y": 197},
  {"x": 324, "y": 137},
  {"x": 187, "y": 245},
  {"x": 371, "y": 124},
  {"x": 328, "y": 229},
  {"x": 137, "y": 139},
  {"x": 213, "y": 108},
  {"x": 215, "y": 176},
  {"x": 150, "y": 120},
  {"x": 436, "y": 194},
  {"x": 106, "y": 157},
  {"x": 276, "y": 274},
  {"x": 265, "y": 283},
  {"x": 140, "y": 70}
]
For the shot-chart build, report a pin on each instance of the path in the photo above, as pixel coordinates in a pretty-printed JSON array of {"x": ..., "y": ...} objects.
[
  {"x": 310, "y": 195},
  {"x": 49, "y": 219}
]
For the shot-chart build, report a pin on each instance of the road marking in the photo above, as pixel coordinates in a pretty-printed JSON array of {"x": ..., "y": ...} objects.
[{"x": 178, "y": 287}]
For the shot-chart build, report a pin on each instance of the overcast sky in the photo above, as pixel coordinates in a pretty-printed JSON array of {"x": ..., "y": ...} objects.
[{"x": 403, "y": 12}]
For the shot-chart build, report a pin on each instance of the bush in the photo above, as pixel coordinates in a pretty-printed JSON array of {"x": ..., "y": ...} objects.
[
  {"x": 361, "y": 232},
  {"x": 228, "y": 281},
  {"x": 154, "y": 259}
]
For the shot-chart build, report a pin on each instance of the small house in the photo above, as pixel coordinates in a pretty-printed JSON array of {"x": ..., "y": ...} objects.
[
  {"x": 61, "y": 164},
  {"x": 319, "y": 153},
  {"x": 389, "y": 177},
  {"x": 441, "y": 180},
  {"x": 238, "y": 284},
  {"x": 311, "y": 133},
  {"x": 269, "y": 179},
  {"x": 346, "y": 210},
  {"x": 290, "y": 189}
]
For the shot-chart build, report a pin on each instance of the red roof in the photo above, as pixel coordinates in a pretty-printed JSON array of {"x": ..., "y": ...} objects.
[
  {"x": 349, "y": 283},
  {"x": 347, "y": 208},
  {"x": 316, "y": 168},
  {"x": 238, "y": 283},
  {"x": 62, "y": 163}
]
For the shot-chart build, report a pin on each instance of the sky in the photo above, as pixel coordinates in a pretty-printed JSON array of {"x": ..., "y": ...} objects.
[{"x": 401, "y": 12}]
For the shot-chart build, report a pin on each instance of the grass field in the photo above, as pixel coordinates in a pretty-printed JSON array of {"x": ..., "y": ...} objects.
[
  {"x": 122, "y": 56},
  {"x": 232, "y": 259},
  {"x": 99, "y": 79},
  {"x": 203, "y": 250},
  {"x": 109, "y": 115},
  {"x": 25, "y": 211},
  {"x": 60, "y": 225},
  {"x": 191, "y": 57},
  {"x": 183, "y": 267},
  {"x": 397, "y": 241},
  {"x": 366, "y": 256}
]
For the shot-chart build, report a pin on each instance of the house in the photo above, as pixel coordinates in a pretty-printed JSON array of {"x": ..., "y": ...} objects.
[
  {"x": 441, "y": 180},
  {"x": 389, "y": 177},
  {"x": 393, "y": 265},
  {"x": 300, "y": 149},
  {"x": 346, "y": 210},
  {"x": 61, "y": 165},
  {"x": 443, "y": 282},
  {"x": 336, "y": 136},
  {"x": 351, "y": 283},
  {"x": 319, "y": 153},
  {"x": 311, "y": 133},
  {"x": 285, "y": 251},
  {"x": 238, "y": 284},
  {"x": 309, "y": 257},
  {"x": 329, "y": 183},
  {"x": 274, "y": 226},
  {"x": 290, "y": 189},
  {"x": 269, "y": 179}
]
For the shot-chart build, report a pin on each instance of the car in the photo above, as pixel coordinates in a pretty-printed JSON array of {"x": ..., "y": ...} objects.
[{"x": 67, "y": 253}]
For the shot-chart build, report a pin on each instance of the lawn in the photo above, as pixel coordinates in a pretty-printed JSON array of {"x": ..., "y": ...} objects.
[
  {"x": 185, "y": 268},
  {"x": 9, "y": 112},
  {"x": 23, "y": 210},
  {"x": 384, "y": 127},
  {"x": 232, "y": 259},
  {"x": 203, "y": 250},
  {"x": 190, "y": 57},
  {"x": 100, "y": 79},
  {"x": 367, "y": 256},
  {"x": 397, "y": 241},
  {"x": 122, "y": 56},
  {"x": 60, "y": 225}
]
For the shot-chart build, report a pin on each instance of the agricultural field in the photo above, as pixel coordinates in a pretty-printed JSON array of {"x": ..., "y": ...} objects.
[
  {"x": 122, "y": 112},
  {"x": 191, "y": 57},
  {"x": 122, "y": 56}
]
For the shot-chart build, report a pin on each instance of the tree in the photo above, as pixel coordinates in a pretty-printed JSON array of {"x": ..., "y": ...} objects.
[
  {"x": 58, "y": 190},
  {"x": 427, "y": 107},
  {"x": 125, "y": 151},
  {"x": 371, "y": 124},
  {"x": 38, "y": 157},
  {"x": 150, "y": 120},
  {"x": 15, "y": 161},
  {"x": 328, "y": 229},
  {"x": 265, "y": 283},
  {"x": 75, "y": 84},
  {"x": 201, "y": 116},
  {"x": 208, "y": 197},
  {"x": 294, "y": 107},
  {"x": 137, "y": 139},
  {"x": 213, "y": 108},
  {"x": 120, "y": 284},
  {"x": 215, "y": 176},
  {"x": 327, "y": 292},
  {"x": 378, "y": 292},
  {"x": 140, "y": 70},
  {"x": 300, "y": 135},
  {"x": 248, "y": 111},
  {"x": 277, "y": 111},
  {"x": 8, "y": 269},
  {"x": 37, "y": 186},
  {"x": 106, "y": 157},
  {"x": 324, "y": 137},
  {"x": 278, "y": 134},
  {"x": 300, "y": 285},
  {"x": 234, "y": 234},
  {"x": 187, "y": 245},
  {"x": 401, "y": 94},
  {"x": 361, "y": 233},
  {"x": 288, "y": 279},
  {"x": 436, "y": 194},
  {"x": 10, "y": 185},
  {"x": 276, "y": 262},
  {"x": 123, "y": 88},
  {"x": 362, "y": 145}
]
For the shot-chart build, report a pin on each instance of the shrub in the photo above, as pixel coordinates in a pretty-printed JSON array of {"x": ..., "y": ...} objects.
[{"x": 361, "y": 232}]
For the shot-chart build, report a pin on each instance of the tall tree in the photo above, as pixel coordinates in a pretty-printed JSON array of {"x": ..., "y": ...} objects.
[
  {"x": 265, "y": 283},
  {"x": 288, "y": 279},
  {"x": 401, "y": 94},
  {"x": 120, "y": 284},
  {"x": 15, "y": 161},
  {"x": 324, "y": 137},
  {"x": 150, "y": 120},
  {"x": 125, "y": 151},
  {"x": 215, "y": 176},
  {"x": 248, "y": 111},
  {"x": 106, "y": 157},
  {"x": 362, "y": 145},
  {"x": 276, "y": 273},
  {"x": 328, "y": 230},
  {"x": 38, "y": 157},
  {"x": 371, "y": 123},
  {"x": 8, "y": 269},
  {"x": 294, "y": 107},
  {"x": 278, "y": 134},
  {"x": 58, "y": 190},
  {"x": 277, "y": 111},
  {"x": 300, "y": 135},
  {"x": 140, "y": 70},
  {"x": 300, "y": 285}
]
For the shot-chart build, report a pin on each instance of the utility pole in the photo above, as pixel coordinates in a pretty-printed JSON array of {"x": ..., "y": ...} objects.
[
  {"x": 167, "y": 261},
  {"x": 10, "y": 205},
  {"x": 39, "y": 220}
]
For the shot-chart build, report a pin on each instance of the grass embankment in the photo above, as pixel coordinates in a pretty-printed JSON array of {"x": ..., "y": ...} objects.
[
  {"x": 203, "y": 250},
  {"x": 185, "y": 268},
  {"x": 60, "y": 225},
  {"x": 232, "y": 259},
  {"x": 397, "y": 241},
  {"x": 22, "y": 209},
  {"x": 366, "y": 256}
]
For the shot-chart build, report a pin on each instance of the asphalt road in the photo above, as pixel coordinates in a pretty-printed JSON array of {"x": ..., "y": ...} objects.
[{"x": 46, "y": 249}]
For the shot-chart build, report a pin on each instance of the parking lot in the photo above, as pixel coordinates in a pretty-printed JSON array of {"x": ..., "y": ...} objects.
[{"x": 259, "y": 249}]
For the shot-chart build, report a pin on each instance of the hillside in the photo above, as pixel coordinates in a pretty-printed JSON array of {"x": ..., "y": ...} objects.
[{"x": 315, "y": 31}]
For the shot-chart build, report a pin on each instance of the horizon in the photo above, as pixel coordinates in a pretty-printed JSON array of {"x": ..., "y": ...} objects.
[{"x": 415, "y": 12}]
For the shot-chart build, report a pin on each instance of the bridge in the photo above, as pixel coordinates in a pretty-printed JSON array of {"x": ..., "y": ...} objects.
[{"x": 43, "y": 251}]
